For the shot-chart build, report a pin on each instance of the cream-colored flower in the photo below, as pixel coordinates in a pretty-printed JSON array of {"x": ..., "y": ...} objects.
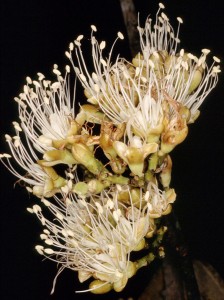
[
  {"x": 39, "y": 181},
  {"x": 134, "y": 93},
  {"x": 95, "y": 237},
  {"x": 46, "y": 115},
  {"x": 46, "y": 110},
  {"x": 181, "y": 76},
  {"x": 137, "y": 113}
]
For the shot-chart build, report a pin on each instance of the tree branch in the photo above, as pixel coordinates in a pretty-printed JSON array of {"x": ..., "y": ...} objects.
[{"x": 131, "y": 23}]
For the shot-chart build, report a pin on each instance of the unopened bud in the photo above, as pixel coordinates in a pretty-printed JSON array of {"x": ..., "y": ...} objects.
[
  {"x": 83, "y": 155},
  {"x": 80, "y": 188},
  {"x": 99, "y": 287},
  {"x": 196, "y": 79},
  {"x": 95, "y": 186}
]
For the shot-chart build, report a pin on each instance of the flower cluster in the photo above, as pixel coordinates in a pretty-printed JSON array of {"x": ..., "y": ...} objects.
[{"x": 104, "y": 173}]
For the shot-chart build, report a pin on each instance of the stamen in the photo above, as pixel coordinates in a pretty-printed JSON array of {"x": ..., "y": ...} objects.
[
  {"x": 161, "y": 5},
  {"x": 29, "y": 80},
  {"x": 93, "y": 27},
  {"x": 30, "y": 210},
  {"x": 49, "y": 251},
  {"x": 216, "y": 59},
  {"x": 71, "y": 46},
  {"x": 40, "y": 249},
  {"x": 68, "y": 54},
  {"x": 180, "y": 20},
  {"x": 80, "y": 37},
  {"x": 102, "y": 45},
  {"x": 205, "y": 51},
  {"x": 57, "y": 72},
  {"x": 120, "y": 35}
]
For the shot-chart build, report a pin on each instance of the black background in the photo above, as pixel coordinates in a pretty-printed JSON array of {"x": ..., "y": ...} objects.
[{"x": 34, "y": 36}]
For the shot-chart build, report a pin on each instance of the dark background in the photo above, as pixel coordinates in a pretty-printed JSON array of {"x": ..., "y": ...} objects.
[{"x": 34, "y": 36}]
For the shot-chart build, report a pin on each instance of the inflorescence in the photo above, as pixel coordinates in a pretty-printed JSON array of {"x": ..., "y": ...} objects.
[{"x": 114, "y": 153}]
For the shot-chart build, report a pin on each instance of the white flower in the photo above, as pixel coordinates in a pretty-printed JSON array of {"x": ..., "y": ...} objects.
[
  {"x": 182, "y": 76},
  {"x": 46, "y": 110},
  {"x": 134, "y": 93},
  {"x": 121, "y": 91},
  {"x": 95, "y": 237}
]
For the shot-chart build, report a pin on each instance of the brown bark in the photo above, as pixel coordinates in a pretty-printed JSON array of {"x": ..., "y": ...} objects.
[{"x": 131, "y": 23}]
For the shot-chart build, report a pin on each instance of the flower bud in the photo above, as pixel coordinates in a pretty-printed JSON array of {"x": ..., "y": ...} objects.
[
  {"x": 39, "y": 190},
  {"x": 80, "y": 188},
  {"x": 196, "y": 79},
  {"x": 83, "y": 155},
  {"x": 95, "y": 186},
  {"x": 161, "y": 252},
  {"x": 117, "y": 179},
  {"x": 100, "y": 287},
  {"x": 150, "y": 233},
  {"x": 152, "y": 225}
]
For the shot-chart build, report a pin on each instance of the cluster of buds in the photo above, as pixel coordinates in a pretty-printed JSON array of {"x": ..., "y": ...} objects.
[{"x": 105, "y": 172}]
